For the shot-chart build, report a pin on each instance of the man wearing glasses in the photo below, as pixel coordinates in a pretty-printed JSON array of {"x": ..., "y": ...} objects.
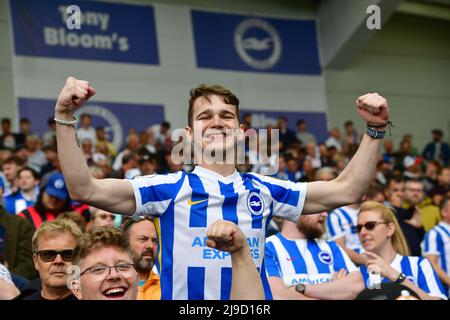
[
  {"x": 104, "y": 268},
  {"x": 53, "y": 250}
]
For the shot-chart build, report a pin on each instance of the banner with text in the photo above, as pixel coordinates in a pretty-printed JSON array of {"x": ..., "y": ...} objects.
[{"x": 107, "y": 31}]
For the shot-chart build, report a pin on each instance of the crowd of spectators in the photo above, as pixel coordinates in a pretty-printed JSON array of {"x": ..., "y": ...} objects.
[{"x": 43, "y": 233}]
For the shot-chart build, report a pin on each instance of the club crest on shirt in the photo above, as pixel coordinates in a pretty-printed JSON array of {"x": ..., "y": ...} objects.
[
  {"x": 255, "y": 203},
  {"x": 325, "y": 257}
]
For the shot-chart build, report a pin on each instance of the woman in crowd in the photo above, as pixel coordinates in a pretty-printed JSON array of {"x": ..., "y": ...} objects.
[{"x": 388, "y": 261}]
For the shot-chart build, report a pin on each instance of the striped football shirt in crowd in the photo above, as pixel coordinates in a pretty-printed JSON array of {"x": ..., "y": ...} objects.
[
  {"x": 304, "y": 261},
  {"x": 342, "y": 222},
  {"x": 437, "y": 242}
]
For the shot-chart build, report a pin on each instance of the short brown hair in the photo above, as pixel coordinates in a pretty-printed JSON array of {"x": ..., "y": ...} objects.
[
  {"x": 99, "y": 237},
  {"x": 206, "y": 91},
  {"x": 61, "y": 225}
]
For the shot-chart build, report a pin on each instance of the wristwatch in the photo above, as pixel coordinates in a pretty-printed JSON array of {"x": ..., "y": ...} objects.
[
  {"x": 401, "y": 277},
  {"x": 300, "y": 288}
]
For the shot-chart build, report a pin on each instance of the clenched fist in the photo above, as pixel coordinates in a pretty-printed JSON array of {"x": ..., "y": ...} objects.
[
  {"x": 373, "y": 108},
  {"x": 74, "y": 94},
  {"x": 226, "y": 236}
]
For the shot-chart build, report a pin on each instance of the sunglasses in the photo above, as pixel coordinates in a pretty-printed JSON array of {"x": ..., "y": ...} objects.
[
  {"x": 50, "y": 255},
  {"x": 369, "y": 225}
]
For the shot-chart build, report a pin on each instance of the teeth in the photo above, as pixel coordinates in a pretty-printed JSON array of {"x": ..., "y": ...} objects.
[{"x": 113, "y": 291}]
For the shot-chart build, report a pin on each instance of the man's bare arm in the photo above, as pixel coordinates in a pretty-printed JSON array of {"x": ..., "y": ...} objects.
[
  {"x": 346, "y": 288},
  {"x": 354, "y": 180},
  {"x": 114, "y": 195},
  {"x": 356, "y": 258}
]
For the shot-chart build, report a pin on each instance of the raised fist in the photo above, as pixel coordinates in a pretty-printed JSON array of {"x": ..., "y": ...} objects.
[
  {"x": 225, "y": 236},
  {"x": 74, "y": 94},
  {"x": 373, "y": 108}
]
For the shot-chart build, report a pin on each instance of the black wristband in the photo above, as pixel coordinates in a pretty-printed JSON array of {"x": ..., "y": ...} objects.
[
  {"x": 375, "y": 133},
  {"x": 401, "y": 278}
]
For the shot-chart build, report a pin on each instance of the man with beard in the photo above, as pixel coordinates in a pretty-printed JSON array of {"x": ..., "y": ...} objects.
[
  {"x": 53, "y": 251},
  {"x": 140, "y": 233},
  {"x": 297, "y": 256}
]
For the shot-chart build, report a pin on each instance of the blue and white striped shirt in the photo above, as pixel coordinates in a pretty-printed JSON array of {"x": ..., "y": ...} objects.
[
  {"x": 342, "y": 222},
  {"x": 418, "y": 270},
  {"x": 437, "y": 242},
  {"x": 186, "y": 204},
  {"x": 304, "y": 261},
  {"x": 17, "y": 201}
]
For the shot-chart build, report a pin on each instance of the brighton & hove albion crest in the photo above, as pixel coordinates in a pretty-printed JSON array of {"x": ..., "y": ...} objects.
[
  {"x": 255, "y": 203},
  {"x": 325, "y": 257},
  {"x": 257, "y": 43}
]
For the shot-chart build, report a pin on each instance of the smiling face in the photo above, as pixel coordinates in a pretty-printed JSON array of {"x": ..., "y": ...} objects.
[
  {"x": 377, "y": 238},
  {"x": 111, "y": 285},
  {"x": 212, "y": 119},
  {"x": 53, "y": 274}
]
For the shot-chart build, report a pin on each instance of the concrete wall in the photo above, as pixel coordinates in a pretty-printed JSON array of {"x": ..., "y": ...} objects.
[
  {"x": 7, "y": 97},
  {"x": 408, "y": 62}
]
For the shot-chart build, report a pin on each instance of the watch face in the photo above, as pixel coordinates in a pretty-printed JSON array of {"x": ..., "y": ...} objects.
[{"x": 300, "y": 287}]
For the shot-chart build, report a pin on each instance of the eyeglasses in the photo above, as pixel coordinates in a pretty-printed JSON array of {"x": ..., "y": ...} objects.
[
  {"x": 50, "y": 255},
  {"x": 369, "y": 225},
  {"x": 100, "y": 270}
]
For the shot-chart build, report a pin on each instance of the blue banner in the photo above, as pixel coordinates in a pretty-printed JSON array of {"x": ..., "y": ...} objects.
[
  {"x": 316, "y": 121},
  {"x": 108, "y": 32},
  {"x": 116, "y": 118},
  {"x": 244, "y": 43}
]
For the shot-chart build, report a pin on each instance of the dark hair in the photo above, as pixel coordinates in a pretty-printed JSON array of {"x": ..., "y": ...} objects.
[
  {"x": 301, "y": 121},
  {"x": 128, "y": 222},
  {"x": 396, "y": 179},
  {"x": 14, "y": 159},
  {"x": 24, "y": 120},
  {"x": 444, "y": 202},
  {"x": 34, "y": 173},
  {"x": 84, "y": 115},
  {"x": 165, "y": 124},
  {"x": 348, "y": 123},
  {"x": 50, "y": 121},
  {"x": 6, "y": 120},
  {"x": 206, "y": 91},
  {"x": 40, "y": 208}
]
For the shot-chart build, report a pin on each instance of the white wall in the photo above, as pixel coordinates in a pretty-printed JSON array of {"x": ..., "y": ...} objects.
[
  {"x": 7, "y": 97},
  {"x": 408, "y": 62}
]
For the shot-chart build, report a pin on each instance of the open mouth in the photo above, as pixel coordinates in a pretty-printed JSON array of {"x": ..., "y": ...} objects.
[
  {"x": 115, "y": 293},
  {"x": 366, "y": 242}
]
